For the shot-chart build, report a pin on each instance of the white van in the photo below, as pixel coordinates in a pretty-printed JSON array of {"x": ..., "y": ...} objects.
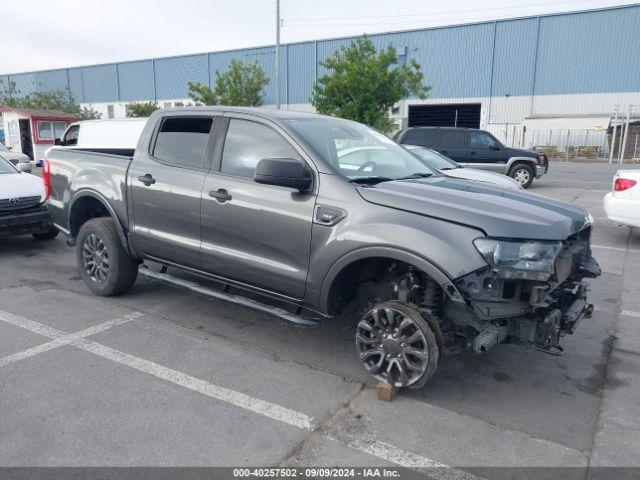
[{"x": 103, "y": 135}]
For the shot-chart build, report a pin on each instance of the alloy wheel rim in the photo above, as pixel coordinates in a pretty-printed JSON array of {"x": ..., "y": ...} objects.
[
  {"x": 522, "y": 176},
  {"x": 392, "y": 347},
  {"x": 95, "y": 258}
]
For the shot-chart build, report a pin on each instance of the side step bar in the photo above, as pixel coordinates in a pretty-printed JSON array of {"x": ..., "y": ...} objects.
[{"x": 282, "y": 314}]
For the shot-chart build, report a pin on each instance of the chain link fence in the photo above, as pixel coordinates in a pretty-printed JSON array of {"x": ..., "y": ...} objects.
[{"x": 578, "y": 144}]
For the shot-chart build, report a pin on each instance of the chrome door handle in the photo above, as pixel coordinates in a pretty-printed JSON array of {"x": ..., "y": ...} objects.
[{"x": 147, "y": 179}]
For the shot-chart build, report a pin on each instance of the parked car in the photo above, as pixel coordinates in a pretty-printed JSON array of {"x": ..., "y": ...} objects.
[
  {"x": 622, "y": 204},
  {"x": 22, "y": 204},
  {"x": 452, "y": 169},
  {"x": 260, "y": 200},
  {"x": 478, "y": 149},
  {"x": 115, "y": 136},
  {"x": 20, "y": 160}
]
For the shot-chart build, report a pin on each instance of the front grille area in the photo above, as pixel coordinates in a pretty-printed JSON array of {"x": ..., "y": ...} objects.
[{"x": 18, "y": 203}]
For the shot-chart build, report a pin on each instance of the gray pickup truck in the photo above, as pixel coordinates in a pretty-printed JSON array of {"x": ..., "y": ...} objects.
[{"x": 262, "y": 202}]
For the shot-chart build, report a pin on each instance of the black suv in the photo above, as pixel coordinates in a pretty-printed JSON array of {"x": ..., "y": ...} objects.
[{"x": 478, "y": 149}]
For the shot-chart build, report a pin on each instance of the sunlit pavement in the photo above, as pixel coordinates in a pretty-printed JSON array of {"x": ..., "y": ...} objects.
[{"x": 163, "y": 377}]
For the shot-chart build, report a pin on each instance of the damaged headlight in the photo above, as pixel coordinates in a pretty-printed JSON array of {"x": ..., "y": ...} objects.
[{"x": 528, "y": 260}]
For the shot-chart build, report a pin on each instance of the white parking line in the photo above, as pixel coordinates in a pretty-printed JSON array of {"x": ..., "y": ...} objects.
[
  {"x": 629, "y": 313},
  {"x": 282, "y": 414},
  {"x": 60, "y": 340},
  {"x": 603, "y": 247}
]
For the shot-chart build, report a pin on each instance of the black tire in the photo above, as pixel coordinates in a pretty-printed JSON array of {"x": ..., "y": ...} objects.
[
  {"x": 386, "y": 355},
  {"x": 48, "y": 235},
  {"x": 120, "y": 270},
  {"x": 523, "y": 174}
]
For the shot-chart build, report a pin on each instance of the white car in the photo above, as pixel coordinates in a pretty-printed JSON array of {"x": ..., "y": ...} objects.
[
  {"x": 22, "y": 204},
  {"x": 622, "y": 205},
  {"x": 452, "y": 169},
  {"x": 111, "y": 135},
  {"x": 20, "y": 160}
]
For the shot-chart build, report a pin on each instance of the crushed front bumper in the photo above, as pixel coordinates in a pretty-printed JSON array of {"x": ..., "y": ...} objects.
[{"x": 22, "y": 222}]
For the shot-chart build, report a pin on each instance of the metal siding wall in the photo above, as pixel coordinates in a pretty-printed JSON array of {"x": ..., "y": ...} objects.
[
  {"x": 75, "y": 84},
  {"x": 135, "y": 80},
  {"x": 589, "y": 52},
  {"x": 100, "y": 83},
  {"x": 173, "y": 74},
  {"x": 4, "y": 84},
  {"x": 514, "y": 58},
  {"x": 25, "y": 83},
  {"x": 51, "y": 80},
  {"x": 301, "y": 70}
]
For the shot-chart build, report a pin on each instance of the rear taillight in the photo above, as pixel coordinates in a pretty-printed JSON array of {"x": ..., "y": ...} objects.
[
  {"x": 46, "y": 176},
  {"x": 622, "y": 184}
]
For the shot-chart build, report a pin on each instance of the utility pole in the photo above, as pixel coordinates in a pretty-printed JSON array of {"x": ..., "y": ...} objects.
[
  {"x": 626, "y": 133},
  {"x": 613, "y": 134},
  {"x": 278, "y": 23}
]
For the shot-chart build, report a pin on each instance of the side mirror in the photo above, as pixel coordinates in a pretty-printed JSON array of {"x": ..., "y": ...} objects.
[
  {"x": 58, "y": 142},
  {"x": 283, "y": 172},
  {"x": 23, "y": 167}
]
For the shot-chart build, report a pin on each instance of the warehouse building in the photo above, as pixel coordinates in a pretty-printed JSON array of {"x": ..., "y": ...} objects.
[{"x": 549, "y": 72}]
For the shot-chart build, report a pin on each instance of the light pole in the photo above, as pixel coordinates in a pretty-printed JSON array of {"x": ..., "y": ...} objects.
[{"x": 278, "y": 54}]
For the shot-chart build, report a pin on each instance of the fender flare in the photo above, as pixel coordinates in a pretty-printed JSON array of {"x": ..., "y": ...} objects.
[
  {"x": 514, "y": 160},
  {"x": 99, "y": 197},
  {"x": 387, "y": 252}
]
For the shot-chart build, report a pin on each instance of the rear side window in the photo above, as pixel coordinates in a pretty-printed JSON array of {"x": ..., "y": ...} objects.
[
  {"x": 424, "y": 137},
  {"x": 249, "y": 142},
  {"x": 182, "y": 141},
  {"x": 453, "y": 138}
]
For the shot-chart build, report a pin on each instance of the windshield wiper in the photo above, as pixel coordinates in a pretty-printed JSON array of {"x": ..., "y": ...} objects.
[
  {"x": 370, "y": 180},
  {"x": 415, "y": 175}
]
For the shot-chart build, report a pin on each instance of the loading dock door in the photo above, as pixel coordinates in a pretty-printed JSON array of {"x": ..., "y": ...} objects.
[{"x": 449, "y": 115}]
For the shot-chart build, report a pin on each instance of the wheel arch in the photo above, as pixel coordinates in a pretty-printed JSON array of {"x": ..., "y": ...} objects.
[
  {"x": 516, "y": 160},
  {"x": 86, "y": 205},
  {"x": 376, "y": 253}
]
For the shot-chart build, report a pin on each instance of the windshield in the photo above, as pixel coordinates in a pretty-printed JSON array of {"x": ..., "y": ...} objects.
[
  {"x": 435, "y": 159},
  {"x": 6, "y": 167},
  {"x": 358, "y": 152},
  {"x": 3, "y": 148}
]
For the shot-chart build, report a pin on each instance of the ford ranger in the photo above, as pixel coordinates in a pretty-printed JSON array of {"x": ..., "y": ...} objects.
[{"x": 263, "y": 202}]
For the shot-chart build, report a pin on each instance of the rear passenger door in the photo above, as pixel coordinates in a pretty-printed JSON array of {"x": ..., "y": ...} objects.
[
  {"x": 255, "y": 234},
  {"x": 453, "y": 144},
  {"x": 166, "y": 190}
]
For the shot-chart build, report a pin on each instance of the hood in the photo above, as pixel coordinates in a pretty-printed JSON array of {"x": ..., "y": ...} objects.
[
  {"x": 20, "y": 185},
  {"x": 516, "y": 152},
  {"x": 13, "y": 156},
  {"x": 482, "y": 176},
  {"x": 499, "y": 212}
]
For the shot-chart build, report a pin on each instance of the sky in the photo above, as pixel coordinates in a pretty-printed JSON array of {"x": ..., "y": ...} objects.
[{"x": 41, "y": 34}]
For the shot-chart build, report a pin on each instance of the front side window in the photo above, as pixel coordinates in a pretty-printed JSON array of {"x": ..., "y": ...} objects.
[
  {"x": 6, "y": 167},
  {"x": 182, "y": 141},
  {"x": 249, "y": 142},
  {"x": 481, "y": 140},
  {"x": 71, "y": 137}
]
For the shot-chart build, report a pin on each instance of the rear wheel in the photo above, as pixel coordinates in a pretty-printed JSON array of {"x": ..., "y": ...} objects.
[
  {"x": 396, "y": 345},
  {"x": 523, "y": 174},
  {"x": 105, "y": 266}
]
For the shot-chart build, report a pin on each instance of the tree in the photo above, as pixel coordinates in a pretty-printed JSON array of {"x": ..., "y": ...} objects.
[
  {"x": 364, "y": 85},
  {"x": 61, "y": 100},
  {"x": 142, "y": 109},
  {"x": 240, "y": 85}
]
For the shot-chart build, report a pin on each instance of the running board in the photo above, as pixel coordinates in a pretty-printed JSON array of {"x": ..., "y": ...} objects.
[{"x": 282, "y": 314}]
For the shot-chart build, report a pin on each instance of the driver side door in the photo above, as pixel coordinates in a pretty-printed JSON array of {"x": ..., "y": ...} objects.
[{"x": 485, "y": 152}]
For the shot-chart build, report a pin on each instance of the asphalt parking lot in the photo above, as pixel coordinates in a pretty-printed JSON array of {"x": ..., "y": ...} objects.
[{"x": 164, "y": 377}]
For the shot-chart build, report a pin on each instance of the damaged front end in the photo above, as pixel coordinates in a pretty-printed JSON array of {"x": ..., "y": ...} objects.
[{"x": 531, "y": 292}]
